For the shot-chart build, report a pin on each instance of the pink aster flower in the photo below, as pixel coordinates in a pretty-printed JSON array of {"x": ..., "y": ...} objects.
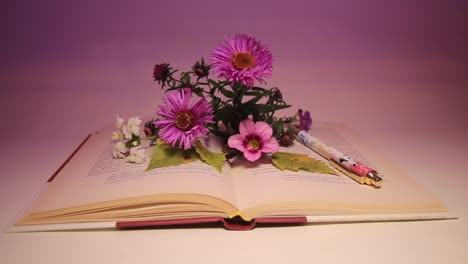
[
  {"x": 182, "y": 121},
  {"x": 254, "y": 138},
  {"x": 242, "y": 59}
]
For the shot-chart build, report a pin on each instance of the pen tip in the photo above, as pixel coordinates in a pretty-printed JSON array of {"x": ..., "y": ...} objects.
[{"x": 374, "y": 179}]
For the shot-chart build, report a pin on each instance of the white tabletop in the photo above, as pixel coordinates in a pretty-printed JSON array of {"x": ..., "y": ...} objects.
[{"x": 409, "y": 102}]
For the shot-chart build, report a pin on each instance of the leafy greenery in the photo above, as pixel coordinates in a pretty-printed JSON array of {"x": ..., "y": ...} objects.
[
  {"x": 165, "y": 155},
  {"x": 231, "y": 102},
  {"x": 215, "y": 160},
  {"x": 296, "y": 162}
]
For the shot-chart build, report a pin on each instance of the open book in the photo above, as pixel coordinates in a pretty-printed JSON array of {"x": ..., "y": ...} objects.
[{"x": 93, "y": 190}]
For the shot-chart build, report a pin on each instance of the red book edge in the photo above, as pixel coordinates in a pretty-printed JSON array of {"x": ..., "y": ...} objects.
[
  {"x": 68, "y": 159},
  {"x": 228, "y": 224}
]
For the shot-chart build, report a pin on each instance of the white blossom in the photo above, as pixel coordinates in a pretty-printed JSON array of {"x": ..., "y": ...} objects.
[
  {"x": 119, "y": 150},
  {"x": 133, "y": 124},
  {"x": 132, "y": 127},
  {"x": 117, "y": 135},
  {"x": 119, "y": 122},
  {"x": 127, "y": 133},
  {"x": 137, "y": 155}
]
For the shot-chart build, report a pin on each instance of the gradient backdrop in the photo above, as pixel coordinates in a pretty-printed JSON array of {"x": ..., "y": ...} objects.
[
  {"x": 396, "y": 71},
  {"x": 395, "y": 67}
]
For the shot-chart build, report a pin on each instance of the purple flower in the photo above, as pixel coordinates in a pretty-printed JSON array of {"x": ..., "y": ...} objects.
[
  {"x": 305, "y": 121},
  {"x": 201, "y": 69},
  {"x": 254, "y": 138},
  {"x": 161, "y": 73},
  {"x": 183, "y": 121},
  {"x": 242, "y": 59}
]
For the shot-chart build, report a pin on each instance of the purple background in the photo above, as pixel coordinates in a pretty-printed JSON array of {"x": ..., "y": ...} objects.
[
  {"x": 69, "y": 67},
  {"x": 396, "y": 71}
]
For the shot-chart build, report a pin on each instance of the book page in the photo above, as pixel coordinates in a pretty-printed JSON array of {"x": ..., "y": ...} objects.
[
  {"x": 93, "y": 175},
  {"x": 264, "y": 184}
]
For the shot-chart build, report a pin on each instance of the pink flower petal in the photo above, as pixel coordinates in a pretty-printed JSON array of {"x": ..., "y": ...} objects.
[
  {"x": 172, "y": 101},
  {"x": 270, "y": 145},
  {"x": 180, "y": 101},
  {"x": 263, "y": 130},
  {"x": 260, "y": 131},
  {"x": 241, "y": 43},
  {"x": 252, "y": 156},
  {"x": 185, "y": 98},
  {"x": 236, "y": 141},
  {"x": 246, "y": 127}
]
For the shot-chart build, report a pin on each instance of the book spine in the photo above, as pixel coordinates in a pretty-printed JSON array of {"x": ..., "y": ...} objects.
[
  {"x": 227, "y": 223},
  {"x": 196, "y": 221}
]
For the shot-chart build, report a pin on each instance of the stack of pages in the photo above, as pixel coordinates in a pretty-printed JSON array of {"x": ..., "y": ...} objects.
[{"x": 93, "y": 190}]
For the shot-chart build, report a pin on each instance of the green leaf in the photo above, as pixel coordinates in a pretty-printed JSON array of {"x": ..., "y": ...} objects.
[
  {"x": 185, "y": 78},
  {"x": 198, "y": 91},
  {"x": 222, "y": 113},
  {"x": 254, "y": 100},
  {"x": 260, "y": 89},
  {"x": 295, "y": 162},
  {"x": 214, "y": 83},
  {"x": 215, "y": 160},
  {"x": 272, "y": 108},
  {"x": 226, "y": 92},
  {"x": 165, "y": 155},
  {"x": 255, "y": 93},
  {"x": 238, "y": 86}
]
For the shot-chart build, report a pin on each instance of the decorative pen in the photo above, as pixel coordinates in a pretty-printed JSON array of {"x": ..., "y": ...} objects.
[{"x": 353, "y": 168}]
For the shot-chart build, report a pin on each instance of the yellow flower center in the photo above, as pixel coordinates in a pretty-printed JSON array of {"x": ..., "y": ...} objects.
[
  {"x": 184, "y": 120},
  {"x": 243, "y": 61},
  {"x": 253, "y": 144}
]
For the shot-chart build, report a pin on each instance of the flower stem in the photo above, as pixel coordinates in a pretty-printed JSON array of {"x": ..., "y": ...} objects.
[{"x": 149, "y": 138}]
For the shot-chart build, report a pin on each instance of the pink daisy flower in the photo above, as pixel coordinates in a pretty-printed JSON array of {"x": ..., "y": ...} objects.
[
  {"x": 183, "y": 121},
  {"x": 242, "y": 59},
  {"x": 254, "y": 138}
]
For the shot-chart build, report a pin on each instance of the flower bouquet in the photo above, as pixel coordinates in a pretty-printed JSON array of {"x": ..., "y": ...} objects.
[{"x": 230, "y": 107}]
